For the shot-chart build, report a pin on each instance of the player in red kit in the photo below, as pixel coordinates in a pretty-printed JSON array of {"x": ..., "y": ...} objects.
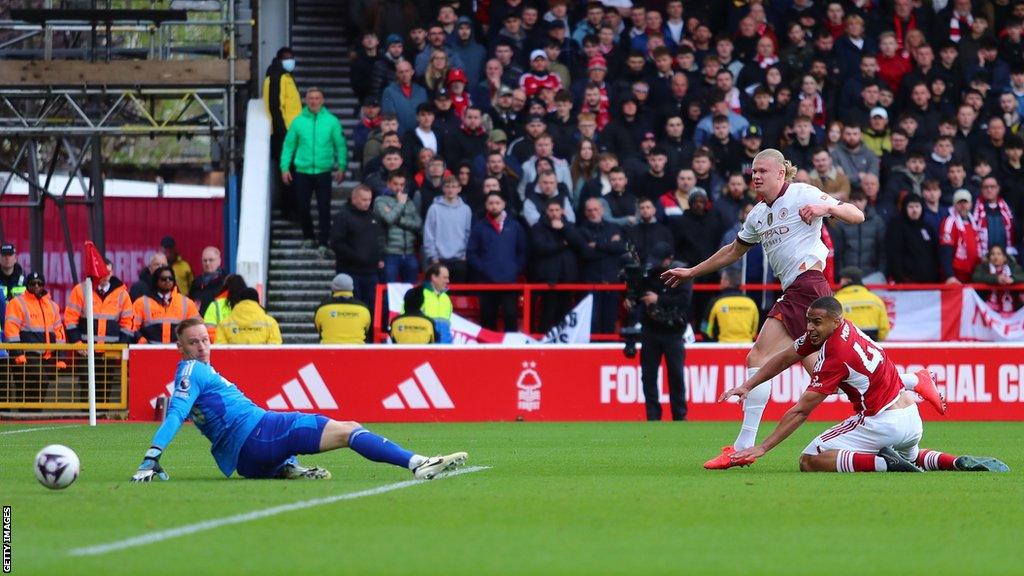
[{"x": 883, "y": 435}]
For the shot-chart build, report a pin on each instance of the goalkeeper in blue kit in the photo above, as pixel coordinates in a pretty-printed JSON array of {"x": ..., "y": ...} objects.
[{"x": 259, "y": 443}]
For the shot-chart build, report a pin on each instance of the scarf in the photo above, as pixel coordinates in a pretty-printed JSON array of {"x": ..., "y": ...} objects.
[
  {"x": 498, "y": 223},
  {"x": 981, "y": 221},
  {"x": 1000, "y": 300},
  {"x": 819, "y": 110},
  {"x": 957, "y": 23},
  {"x": 765, "y": 62},
  {"x": 372, "y": 123},
  {"x": 897, "y": 25}
]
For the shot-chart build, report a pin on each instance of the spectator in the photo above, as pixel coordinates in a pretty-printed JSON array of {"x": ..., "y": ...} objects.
[
  {"x": 157, "y": 314},
  {"x": 446, "y": 231},
  {"x": 436, "y": 43},
  {"x": 994, "y": 218},
  {"x": 401, "y": 225},
  {"x": 111, "y": 307},
  {"x": 933, "y": 209},
  {"x": 861, "y": 245},
  {"x": 470, "y": 142},
  {"x": 497, "y": 255},
  {"x": 145, "y": 281},
  {"x": 725, "y": 151},
  {"x": 370, "y": 120},
  {"x": 675, "y": 202},
  {"x": 698, "y": 234},
  {"x": 555, "y": 246},
  {"x": 211, "y": 282},
  {"x": 959, "y": 248},
  {"x": 999, "y": 270},
  {"x": 402, "y": 96},
  {"x": 619, "y": 203},
  {"x": 422, "y": 136},
  {"x": 908, "y": 179},
  {"x": 248, "y": 323},
  {"x": 853, "y": 157},
  {"x": 283, "y": 104},
  {"x": 604, "y": 246},
  {"x": 375, "y": 141},
  {"x": 539, "y": 77},
  {"x": 656, "y": 180},
  {"x": 543, "y": 149},
  {"x": 861, "y": 306},
  {"x": 385, "y": 68},
  {"x": 803, "y": 143},
  {"x": 220, "y": 308},
  {"x": 827, "y": 177},
  {"x": 342, "y": 318},
  {"x": 728, "y": 206},
  {"x": 911, "y": 249},
  {"x": 413, "y": 326},
  {"x": 467, "y": 49},
  {"x": 182, "y": 271},
  {"x": 732, "y": 316},
  {"x": 356, "y": 238},
  {"x": 877, "y": 136},
  {"x": 12, "y": 277},
  {"x": 437, "y": 304},
  {"x": 33, "y": 318},
  {"x": 648, "y": 231},
  {"x": 956, "y": 178},
  {"x": 524, "y": 147},
  {"x": 547, "y": 188},
  {"x": 317, "y": 146},
  {"x": 367, "y": 55}
]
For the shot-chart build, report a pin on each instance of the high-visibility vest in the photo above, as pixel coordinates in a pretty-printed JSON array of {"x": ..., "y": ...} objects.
[
  {"x": 218, "y": 311},
  {"x": 113, "y": 316},
  {"x": 34, "y": 320},
  {"x": 341, "y": 319},
  {"x": 155, "y": 323},
  {"x": 412, "y": 329}
]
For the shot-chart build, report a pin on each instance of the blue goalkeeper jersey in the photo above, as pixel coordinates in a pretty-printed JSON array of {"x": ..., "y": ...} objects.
[{"x": 217, "y": 407}]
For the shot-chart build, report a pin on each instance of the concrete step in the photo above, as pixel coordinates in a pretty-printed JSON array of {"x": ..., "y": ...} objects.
[
  {"x": 289, "y": 284},
  {"x": 297, "y": 338},
  {"x": 300, "y": 317},
  {"x": 320, "y": 277},
  {"x": 300, "y": 264},
  {"x": 280, "y": 296},
  {"x": 303, "y": 306}
]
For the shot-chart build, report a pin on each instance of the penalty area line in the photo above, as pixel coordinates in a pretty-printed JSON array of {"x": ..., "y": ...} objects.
[
  {"x": 22, "y": 431},
  {"x": 162, "y": 535}
]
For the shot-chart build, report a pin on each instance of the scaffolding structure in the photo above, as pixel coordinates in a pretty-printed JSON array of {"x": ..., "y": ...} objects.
[{"x": 55, "y": 114}]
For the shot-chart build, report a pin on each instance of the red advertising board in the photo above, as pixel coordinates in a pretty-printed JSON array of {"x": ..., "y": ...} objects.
[{"x": 549, "y": 383}]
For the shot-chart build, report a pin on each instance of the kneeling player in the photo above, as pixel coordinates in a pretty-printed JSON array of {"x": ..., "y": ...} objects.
[
  {"x": 260, "y": 443},
  {"x": 884, "y": 433}
]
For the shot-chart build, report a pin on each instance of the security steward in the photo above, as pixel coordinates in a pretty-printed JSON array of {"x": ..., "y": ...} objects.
[
  {"x": 861, "y": 306},
  {"x": 663, "y": 318},
  {"x": 248, "y": 323},
  {"x": 732, "y": 316},
  {"x": 341, "y": 319},
  {"x": 33, "y": 318},
  {"x": 413, "y": 326},
  {"x": 157, "y": 314},
  {"x": 112, "y": 311},
  {"x": 12, "y": 277}
]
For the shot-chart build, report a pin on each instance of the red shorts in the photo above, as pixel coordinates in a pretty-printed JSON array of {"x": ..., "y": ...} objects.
[{"x": 791, "y": 307}]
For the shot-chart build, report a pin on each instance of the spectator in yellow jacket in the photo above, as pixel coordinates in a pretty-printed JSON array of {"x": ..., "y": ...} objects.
[
  {"x": 862, "y": 307},
  {"x": 183, "y": 276},
  {"x": 248, "y": 322},
  {"x": 283, "y": 104},
  {"x": 732, "y": 316},
  {"x": 341, "y": 319}
]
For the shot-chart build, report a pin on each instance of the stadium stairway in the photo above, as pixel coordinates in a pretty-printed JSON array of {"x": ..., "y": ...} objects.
[{"x": 298, "y": 280}]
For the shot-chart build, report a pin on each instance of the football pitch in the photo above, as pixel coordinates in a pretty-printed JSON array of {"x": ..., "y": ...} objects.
[{"x": 609, "y": 498}]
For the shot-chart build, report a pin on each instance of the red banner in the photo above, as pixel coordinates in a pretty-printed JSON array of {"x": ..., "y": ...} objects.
[{"x": 549, "y": 383}]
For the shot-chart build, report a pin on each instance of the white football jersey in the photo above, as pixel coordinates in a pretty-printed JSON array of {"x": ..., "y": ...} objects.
[{"x": 792, "y": 246}]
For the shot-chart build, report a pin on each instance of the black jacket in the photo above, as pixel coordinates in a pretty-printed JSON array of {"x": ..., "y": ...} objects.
[
  {"x": 671, "y": 313},
  {"x": 911, "y": 250},
  {"x": 603, "y": 260},
  {"x": 205, "y": 288},
  {"x": 554, "y": 253},
  {"x": 357, "y": 240},
  {"x": 697, "y": 237},
  {"x": 645, "y": 235},
  {"x": 9, "y": 281}
]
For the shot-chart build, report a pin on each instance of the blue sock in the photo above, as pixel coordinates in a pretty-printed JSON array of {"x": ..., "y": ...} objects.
[{"x": 379, "y": 449}]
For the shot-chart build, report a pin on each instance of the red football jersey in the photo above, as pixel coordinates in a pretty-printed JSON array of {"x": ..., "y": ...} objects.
[
  {"x": 533, "y": 83},
  {"x": 853, "y": 363}
]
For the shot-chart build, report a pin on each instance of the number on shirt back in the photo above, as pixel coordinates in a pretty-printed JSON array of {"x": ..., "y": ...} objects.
[{"x": 872, "y": 359}]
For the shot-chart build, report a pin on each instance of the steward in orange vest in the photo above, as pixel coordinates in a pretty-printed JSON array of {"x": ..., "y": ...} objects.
[
  {"x": 33, "y": 318},
  {"x": 159, "y": 313},
  {"x": 113, "y": 317}
]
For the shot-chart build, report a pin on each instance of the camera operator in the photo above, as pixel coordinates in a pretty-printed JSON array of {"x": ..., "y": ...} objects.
[{"x": 663, "y": 319}]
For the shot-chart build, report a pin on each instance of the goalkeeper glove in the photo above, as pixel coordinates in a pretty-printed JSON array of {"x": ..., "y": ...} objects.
[{"x": 150, "y": 467}]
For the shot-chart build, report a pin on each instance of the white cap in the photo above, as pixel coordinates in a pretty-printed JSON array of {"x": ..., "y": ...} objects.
[
  {"x": 538, "y": 54},
  {"x": 879, "y": 111},
  {"x": 962, "y": 194}
]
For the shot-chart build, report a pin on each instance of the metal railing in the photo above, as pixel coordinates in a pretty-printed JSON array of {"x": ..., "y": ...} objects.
[{"x": 55, "y": 376}]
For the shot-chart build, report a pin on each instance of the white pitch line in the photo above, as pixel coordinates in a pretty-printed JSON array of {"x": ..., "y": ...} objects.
[
  {"x": 162, "y": 535},
  {"x": 6, "y": 432}
]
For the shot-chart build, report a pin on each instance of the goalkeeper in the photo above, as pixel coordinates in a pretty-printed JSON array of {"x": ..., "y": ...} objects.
[{"x": 260, "y": 443}]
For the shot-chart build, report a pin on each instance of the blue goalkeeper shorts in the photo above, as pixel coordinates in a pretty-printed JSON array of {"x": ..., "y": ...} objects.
[{"x": 277, "y": 439}]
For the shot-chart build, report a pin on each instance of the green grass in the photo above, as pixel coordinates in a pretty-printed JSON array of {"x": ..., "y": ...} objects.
[{"x": 628, "y": 498}]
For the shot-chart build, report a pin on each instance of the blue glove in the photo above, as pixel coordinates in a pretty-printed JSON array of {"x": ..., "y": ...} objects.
[{"x": 150, "y": 467}]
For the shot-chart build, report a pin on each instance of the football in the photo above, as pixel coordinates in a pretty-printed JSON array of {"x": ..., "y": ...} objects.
[{"x": 56, "y": 466}]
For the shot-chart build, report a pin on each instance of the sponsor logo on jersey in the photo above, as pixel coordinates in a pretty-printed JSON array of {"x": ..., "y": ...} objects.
[
  {"x": 783, "y": 213},
  {"x": 423, "y": 390}
]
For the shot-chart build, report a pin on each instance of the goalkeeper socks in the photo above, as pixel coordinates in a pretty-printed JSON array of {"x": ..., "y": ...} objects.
[
  {"x": 847, "y": 461},
  {"x": 935, "y": 460},
  {"x": 377, "y": 448},
  {"x": 753, "y": 408}
]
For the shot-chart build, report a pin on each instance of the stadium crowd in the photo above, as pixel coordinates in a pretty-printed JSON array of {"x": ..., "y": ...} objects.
[{"x": 514, "y": 139}]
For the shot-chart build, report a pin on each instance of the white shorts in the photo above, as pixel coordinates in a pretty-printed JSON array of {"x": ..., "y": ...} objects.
[{"x": 899, "y": 429}]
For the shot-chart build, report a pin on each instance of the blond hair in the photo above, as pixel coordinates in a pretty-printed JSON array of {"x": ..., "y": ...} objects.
[{"x": 773, "y": 154}]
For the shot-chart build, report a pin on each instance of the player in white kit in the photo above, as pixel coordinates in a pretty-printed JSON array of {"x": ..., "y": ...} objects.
[
  {"x": 883, "y": 435},
  {"x": 787, "y": 222}
]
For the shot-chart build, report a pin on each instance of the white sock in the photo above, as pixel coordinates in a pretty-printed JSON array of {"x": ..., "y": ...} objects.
[
  {"x": 416, "y": 460},
  {"x": 753, "y": 408},
  {"x": 909, "y": 381}
]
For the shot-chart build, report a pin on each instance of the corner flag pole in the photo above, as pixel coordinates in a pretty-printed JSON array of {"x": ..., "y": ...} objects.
[{"x": 90, "y": 350}]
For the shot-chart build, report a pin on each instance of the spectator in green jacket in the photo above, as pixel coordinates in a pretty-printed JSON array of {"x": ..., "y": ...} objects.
[{"x": 316, "y": 143}]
